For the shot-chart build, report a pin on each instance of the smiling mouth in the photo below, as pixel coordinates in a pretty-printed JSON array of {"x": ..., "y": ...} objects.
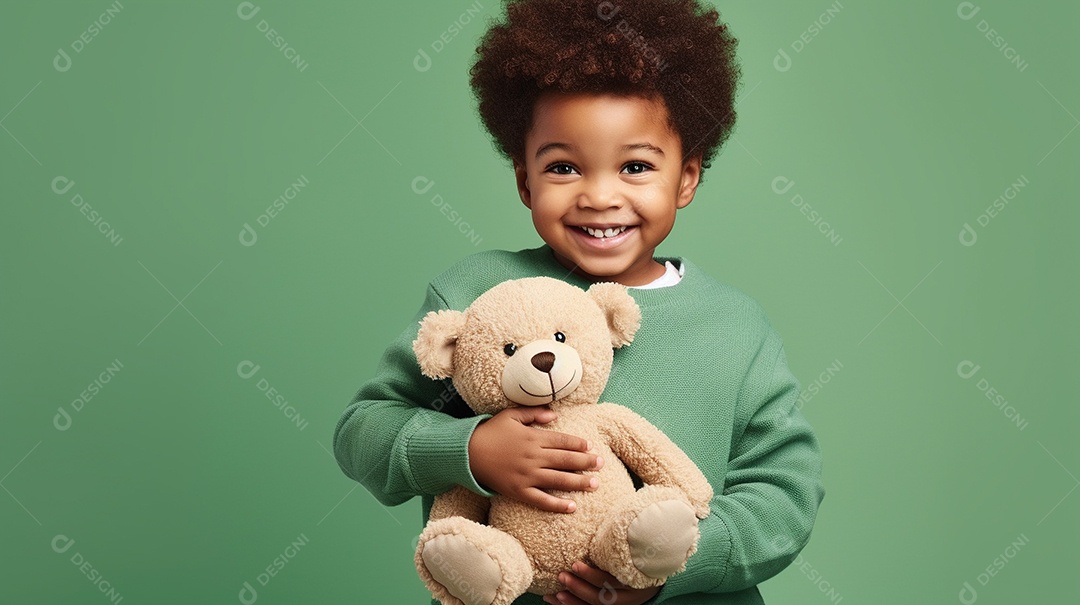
[
  {"x": 554, "y": 392},
  {"x": 606, "y": 232}
]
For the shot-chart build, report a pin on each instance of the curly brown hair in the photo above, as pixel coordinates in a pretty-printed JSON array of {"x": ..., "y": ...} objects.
[{"x": 676, "y": 49}]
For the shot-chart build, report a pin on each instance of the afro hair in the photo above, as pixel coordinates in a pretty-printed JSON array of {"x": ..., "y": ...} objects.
[{"x": 676, "y": 49}]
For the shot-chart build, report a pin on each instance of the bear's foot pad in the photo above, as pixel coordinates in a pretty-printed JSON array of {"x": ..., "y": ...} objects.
[
  {"x": 463, "y": 569},
  {"x": 661, "y": 537}
]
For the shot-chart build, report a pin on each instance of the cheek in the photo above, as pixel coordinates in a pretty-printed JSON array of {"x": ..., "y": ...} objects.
[
  {"x": 649, "y": 198},
  {"x": 546, "y": 211},
  {"x": 656, "y": 205},
  {"x": 541, "y": 223}
]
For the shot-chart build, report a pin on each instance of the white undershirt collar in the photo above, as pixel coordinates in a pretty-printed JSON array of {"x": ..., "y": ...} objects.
[{"x": 670, "y": 277}]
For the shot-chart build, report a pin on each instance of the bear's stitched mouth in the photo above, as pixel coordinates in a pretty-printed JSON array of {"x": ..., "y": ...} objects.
[{"x": 553, "y": 391}]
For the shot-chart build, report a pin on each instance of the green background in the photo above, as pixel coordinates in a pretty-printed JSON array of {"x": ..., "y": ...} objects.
[{"x": 179, "y": 122}]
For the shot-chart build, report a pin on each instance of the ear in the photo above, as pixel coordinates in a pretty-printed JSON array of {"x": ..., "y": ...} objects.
[
  {"x": 522, "y": 177},
  {"x": 622, "y": 313},
  {"x": 688, "y": 182},
  {"x": 436, "y": 340}
]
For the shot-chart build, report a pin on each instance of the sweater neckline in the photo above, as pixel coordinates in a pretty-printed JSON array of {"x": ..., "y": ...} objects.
[{"x": 551, "y": 267}]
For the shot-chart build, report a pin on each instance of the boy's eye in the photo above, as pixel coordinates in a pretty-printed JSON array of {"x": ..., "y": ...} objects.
[
  {"x": 560, "y": 337},
  {"x": 637, "y": 167},
  {"x": 563, "y": 169},
  {"x": 510, "y": 349}
]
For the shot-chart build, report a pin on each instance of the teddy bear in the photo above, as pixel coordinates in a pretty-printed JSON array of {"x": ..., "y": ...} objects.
[{"x": 541, "y": 341}]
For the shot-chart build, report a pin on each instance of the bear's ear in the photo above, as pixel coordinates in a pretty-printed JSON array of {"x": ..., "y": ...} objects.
[
  {"x": 436, "y": 340},
  {"x": 622, "y": 313}
]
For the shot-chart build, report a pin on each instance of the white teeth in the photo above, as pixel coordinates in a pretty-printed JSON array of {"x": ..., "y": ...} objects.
[{"x": 602, "y": 233}]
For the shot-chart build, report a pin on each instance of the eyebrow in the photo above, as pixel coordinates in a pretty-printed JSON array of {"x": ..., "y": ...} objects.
[
  {"x": 546, "y": 147},
  {"x": 645, "y": 146}
]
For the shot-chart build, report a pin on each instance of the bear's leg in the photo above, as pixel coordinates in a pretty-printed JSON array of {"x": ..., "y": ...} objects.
[
  {"x": 647, "y": 537},
  {"x": 464, "y": 562}
]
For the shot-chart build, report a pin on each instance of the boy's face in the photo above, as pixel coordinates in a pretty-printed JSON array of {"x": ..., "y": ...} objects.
[{"x": 611, "y": 164}]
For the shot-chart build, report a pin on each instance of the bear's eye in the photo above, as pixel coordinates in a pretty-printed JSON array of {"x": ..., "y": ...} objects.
[
  {"x": 509, "y": 349},
  {"x": 560, "y": 337}
]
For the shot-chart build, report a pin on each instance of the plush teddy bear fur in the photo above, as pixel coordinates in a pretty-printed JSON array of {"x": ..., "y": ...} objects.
[{"x": 541, "y": 341}]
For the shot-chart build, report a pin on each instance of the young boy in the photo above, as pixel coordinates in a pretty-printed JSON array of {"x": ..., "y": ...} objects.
[{"x": 610, "y": 113}]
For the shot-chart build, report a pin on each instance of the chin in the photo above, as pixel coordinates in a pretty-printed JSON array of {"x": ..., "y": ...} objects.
[
  {"x": 602, "y": 269},
  {"x": 595, "y": 265}
]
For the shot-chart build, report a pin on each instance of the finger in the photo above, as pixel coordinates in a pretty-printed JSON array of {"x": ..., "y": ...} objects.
[
  {"x": 569, "y": 461},
  {"x": 529, "y": 415},
  {"x": 583, "y": 590},
  {"x": 565, "y": 597},
  {"x": 567, "y": 482},
  {"x": 596, "y": 576},
  {"x": 562, "y": 441},
  {"x": 568, "y": 598},
  {"x": 545, "y": 501}
]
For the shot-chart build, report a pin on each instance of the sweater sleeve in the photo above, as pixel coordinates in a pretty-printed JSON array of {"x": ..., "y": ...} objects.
[
  {"x": 766, "y": 511},
  {"x": 395, "y": 438}
]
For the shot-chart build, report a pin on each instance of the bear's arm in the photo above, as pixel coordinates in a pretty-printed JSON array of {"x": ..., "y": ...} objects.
[
  {"x": 654, "y": 457},
  {"x": 460, "y": 502}
]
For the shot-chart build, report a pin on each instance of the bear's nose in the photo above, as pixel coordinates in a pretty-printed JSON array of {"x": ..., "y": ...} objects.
[{"x": 543, "y": 361}]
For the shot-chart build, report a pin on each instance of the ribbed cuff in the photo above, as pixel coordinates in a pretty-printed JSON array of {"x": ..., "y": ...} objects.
[
  {"x": 707, "y": 566},
  {"x": 438, "y": 456}
]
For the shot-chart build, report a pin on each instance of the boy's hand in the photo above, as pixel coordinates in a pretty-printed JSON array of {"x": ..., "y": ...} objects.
[
  {"x": 586, "y": 585},
  {"x": 511, "y": 458}
]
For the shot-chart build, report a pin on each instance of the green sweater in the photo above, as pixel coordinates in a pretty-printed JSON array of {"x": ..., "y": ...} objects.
[{"x": 705, "y": 367}]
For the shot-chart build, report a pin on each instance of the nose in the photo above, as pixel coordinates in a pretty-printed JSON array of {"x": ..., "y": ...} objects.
[
  {"x": 543, "y": 361},
  {"x": 601, "y": 193}
]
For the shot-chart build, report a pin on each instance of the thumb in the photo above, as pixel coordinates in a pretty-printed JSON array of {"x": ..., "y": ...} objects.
[{"x": 540, "y": 414}]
